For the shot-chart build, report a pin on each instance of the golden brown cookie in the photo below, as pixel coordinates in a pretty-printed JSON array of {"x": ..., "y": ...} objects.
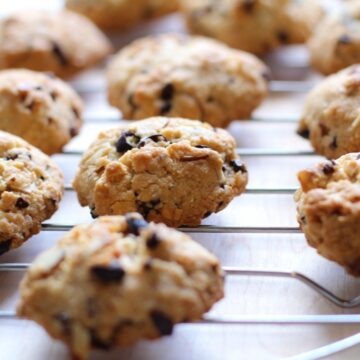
[
  {"x": 63, "y": 43},
  {"x": 183, "y": 76},
  {"x": 335, "y": 43},
  {"x": 43, "y": 110},
  {"x": 328, "y": 206},
  {"x": 171, "y": 170},
  {"x": 117, "y": 281},
  {"x": 256, "y": 26},
  {"x": 331, "y": 116},
  {"x": 31, "y": 186},
  {"x": 121, "y": 14}
]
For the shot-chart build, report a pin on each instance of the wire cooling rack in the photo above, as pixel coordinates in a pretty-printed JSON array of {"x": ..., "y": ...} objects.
[{"x": 276, "y": 87}]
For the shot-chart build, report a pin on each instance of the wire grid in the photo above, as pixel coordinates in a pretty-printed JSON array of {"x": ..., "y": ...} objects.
[{"x": 275, "y": 86}]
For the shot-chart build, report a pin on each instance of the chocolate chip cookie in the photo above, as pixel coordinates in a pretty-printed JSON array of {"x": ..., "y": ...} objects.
[
  {"x": 117, "y": 281},
  {"x": 190, "y": 77},
  {"x": 328, "y": 206},
  {"x": 335, "y": 43},
  {"x": 121, "y": 14},
  {"x": 257, "y": 26},
  {"x": 31, "y": 186},
  {"x": 63, "y": 43},
  {"x": 41, "y": 109},
  {"x": 331, "y": 116},
  {"x": 170, "y": 170}
]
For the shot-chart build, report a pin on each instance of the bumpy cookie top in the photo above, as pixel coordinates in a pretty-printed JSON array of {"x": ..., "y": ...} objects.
[
  {"x": 335, "y": 43},
  {"x": 331, "y": 116},
  {"x": 31, "y": 186},
  {"x": 329, "y": 209},
  {"x": 121, "y": 14},
  {"x": 119, "y": 280},
  {"x": 63, "y": 43},
  {"x": 253, "y": 25},
  {"x": 41, "y": 109},
  {"x": 171, "y": 170},
  {"x": 190, "y": 77}
]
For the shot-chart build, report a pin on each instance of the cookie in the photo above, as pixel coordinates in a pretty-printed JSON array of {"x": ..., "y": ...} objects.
[
  {"x": 63, "y": 43},
  {"x": 328, "y": 206},
  {"x": 331, "y": 116},
  {"x": 183, "y": 76},
  {"x": 117, "y": 281},
  {"x": 335, "y": 43},
  {"x": 121, "y": 14},
  {"x": 257, "y": 26},
  {"x": 43, "y": 110},
  {"x": 31, "y": 186},
  {"x": 170, "y": 170}
]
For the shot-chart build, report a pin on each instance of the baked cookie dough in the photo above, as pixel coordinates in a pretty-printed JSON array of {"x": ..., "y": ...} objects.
[
  {"x": 31, "y": 186},
  {"x": 335, "y": 44},
  {"x": 331, "y": 116},
  {"x": 117, "y": 281},
  {"x": 190, "y": 77},
  {"x": 257, "y": 26},
  {"x": 43, "y": 110},
  {"x": 170, "y": 170},
  {"x": 63, "y": 43},
  {"x": 121, "y": 14},
  {"x": 328, "y": 206}
]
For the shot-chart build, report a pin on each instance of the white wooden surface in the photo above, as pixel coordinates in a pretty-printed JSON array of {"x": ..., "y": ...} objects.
[{"x": 244, "y": 295}]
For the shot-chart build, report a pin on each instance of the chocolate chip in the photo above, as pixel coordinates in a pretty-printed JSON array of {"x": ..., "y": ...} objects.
[
  {"x": 238, "y": 166},
  {"x": 59, "y": 54},
  {"x": 282, "y": 36},
  {"x": 167, "y": 93},
  {"x": 126, "y": 142},
  {"x": 165, "y": 108},
  {"x": 53, "y": 95},
  {"x": 248, "y": 5},
  {"x": 207, "y": 214},
  {"x": 98, "y": 343},
  {"x": 162, "y": 322},
  {"x": 344, "y": 39},
  {"x": 65, "y": 321},
  {"x": 148, "y": 264},
  {"x": 324, "y": 130},
  {"x": 5, "y": 246},
  {"x": 112, "y": 273},
  {"x": 135, "y": 225},
  {"x": 328, "y": 169},
  {"x": 73, "y": 131},
  {"x": 93, "y": 214},
  {"x": 333, "y": 144},
  {"x": 153, "y": 242},
  {"x": 12, "y": 157},
  {"x": 21, "y": 203},
  {"x": 202, "y": 147},
  {"x": 305, "y": 133},
  {"x": 75, "y": 111}
]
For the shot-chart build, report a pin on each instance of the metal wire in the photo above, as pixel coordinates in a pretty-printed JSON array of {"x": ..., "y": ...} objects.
[{"x": 233, "y": 271}]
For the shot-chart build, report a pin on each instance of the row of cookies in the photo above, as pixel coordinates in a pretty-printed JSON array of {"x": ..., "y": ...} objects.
[{"x": 54, "y": 41}]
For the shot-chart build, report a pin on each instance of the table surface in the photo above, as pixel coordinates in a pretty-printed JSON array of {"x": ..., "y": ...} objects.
[{"x": 272, "y": 129}]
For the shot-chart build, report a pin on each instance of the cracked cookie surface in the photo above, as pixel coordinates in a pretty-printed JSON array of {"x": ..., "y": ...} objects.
[
  {"x": 170, "y": 170},
  {"x": 257, "y": 26},
  {"x": 121, "y": 14},
  {"x": 117, "y": 281},
  {"x": 331, "y": 115},
  {"x": 43, "y": 110},
  {"x": 335, "y": 43},
  {"x": 63, "y": 43},
  {"x": 328, "y": 206},
  {"x": 183, "y": 76},
  {"x": 31, "y": 186}
]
